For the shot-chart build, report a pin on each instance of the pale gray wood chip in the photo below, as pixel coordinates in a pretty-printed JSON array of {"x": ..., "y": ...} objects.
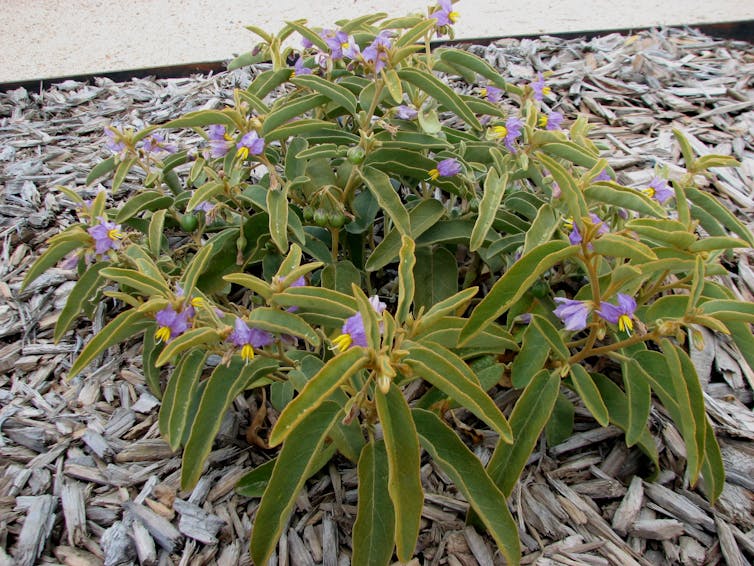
[
  {"x": 40, "y": 518},
  {"x": 117, "y": 545},
  {"x": 163, "y": 532},
  {"x": 692, "y": 553},
  {"x": 313, "y": 542},
  {"x": 144, "y": 543},
  {"x": 478, "y": 546},
  {"x": 629, "y": 507},
  {"x": 678, "y": 506},
  {"x": 231, "y": 554},
  {"x": 728, "y": 546},
  {"x": 657, "y": 529},
  {"x": 97, "y": 444},
  {"x": 73, "y": 557},
  {"x": 297, "y": 551},
  {"x": 329, "y": 541},
  {"x": 145, "y": 450},
  {"x": 197, "y": 523},
  {"x": 74, "y": 511}
]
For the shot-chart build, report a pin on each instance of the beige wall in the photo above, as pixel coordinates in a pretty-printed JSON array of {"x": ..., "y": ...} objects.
[{"x": 53, "y": 38}]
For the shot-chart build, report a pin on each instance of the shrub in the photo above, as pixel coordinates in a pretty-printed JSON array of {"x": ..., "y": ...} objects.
[{"x": 351, "y": 225}]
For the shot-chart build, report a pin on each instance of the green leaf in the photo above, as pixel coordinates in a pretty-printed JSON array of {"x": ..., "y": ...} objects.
[
  {"x": 472, "y": 62},
  {"x": 318, "y": 389},
  {"x": 290, "y": 110},
  {"x": 268, "y": 81},
  {"x": 469, "y": 476},
  {"x": 374, "y": 529},
  {"x": 283, "y": 322},
  {"x": 443, "y": 369},
  {"x": 531, "y": 357},
  {"x": 277, "y": 207},
  {"x": 120, "y": 173},
  {"x": 179, "y": 394},
  {"x": 717, "y": 243},
  {"x": 319, "y": 300},
  {"x": 147, "y": 200},
  {"x": 252, "y": 282},
  {"x": 125, "y": 325},
  {"x": 662, "y": 231},
  {"x": 202, "y": 118},
  {"x": 255, "y": 482},
  {"x": 442, "y": 93},
  {"x": 340, "y": 276},
  {"x": 421, "y": 218},
  {"x": 686, "y": 150},
  {"x": 572, "y": 152},
  {"x": 293, "y": 466},
  {"x": 338, "y": 94},
  {"x": 311, "y": 126},
  {"x": 436, "y": 276},
  {"x": 615, "y": 245},
  {"x": 406, "y": 282},
  {"x": 614, "y": 194},
  {"x": 515, "y": 282},
  {"x": 590, "y": 395},
  {"x": 455, "y": 304},
  {"x": 190, "y": 339},
  {"x": 224, "y": 385},
  {"x": 380, "y": 186},
  {"x": 404, "y": 468},
  {"x": 494, "y": 189},
  {"x": 553, "y": 337},
  {"x": 639, "y": 395},
  {"x": 416, "y": 33},
  {"x": 101, "y": 169},
  {"x": 83, "y": 291},
  {"x": 52, "y": 255},
  {"x": 570, "y": 191},
  {"x": 155, "y": 235},
  {"x": 618, "y": 407},
  {"x": 560, "y": 426},
  {"x": 249, "y": 58},
  {"x": 713, "y": 470},
  {"x": 206, "y": 192},
  {"x": 529, "y": 416},
  {"x": 729, "y": 310},
  {"x": 542, "y": 228},
  {"x": 195, "y": 268},
  {"x": 712, "y": 206},
  {"x": 145, "y": 284}
]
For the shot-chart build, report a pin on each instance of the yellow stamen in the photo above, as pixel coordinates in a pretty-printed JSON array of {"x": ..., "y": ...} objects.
[
  {"x": 568, "y": 223},
  {"x": 483, "y": 92},
  {"x": 546, "y": 90},
  {"x": 247, "y": 352},
  {"x": 243, "y": 153},
  {"x": 162, "y": 334},
  {"x": 434, "y": 174},
  {"x": 114, "y": 234},
  {"x": 625, "y": 324},
  {"x": 649, "y": 191},
  {"x": 197, "y": 302},
  {"x": 499, "y": 131},
  {"x": 342, "y": 342},
  {"x": 543, "y": 121},
  {"x": 454, "y": 16}
]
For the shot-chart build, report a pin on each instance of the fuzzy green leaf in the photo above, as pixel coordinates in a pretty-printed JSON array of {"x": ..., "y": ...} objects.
[
  {"x": 179, "y": 395},
  {"x": 589, "y": 394}
]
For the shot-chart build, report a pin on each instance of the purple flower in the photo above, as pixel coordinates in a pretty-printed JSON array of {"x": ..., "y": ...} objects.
[
  {"x": 250, "y": 144},
  {"x": 572, "y": 313},
  {"x": 658, "y": 189},
  {"x": 335, "y": 40},
  {"x": 603, "y": 176},
  {"x": 114, "y": 141},
  {"x": 172, "y": 323},
  {"x": 352, "y": 49},
  {"x": 540, "y": 88},
  {"x": 156, "y": 143},
  {"x": 445, "y": 16},
  {"x": 575, "y": 236},
  {"x": 376, "y": 53},
  {"x": 299, "y": 68},
  {"x": 510, "y": 132},
  {"x": 219, "y": 140},
  {"x": 306, "y": 43},
  {"x": 353, "y": 333},
  {"x": 107, "y": 236},
  {"x": 620, "y": 314},
  {"x": 492, "y": 93},
  {"x": 449, "y": 167},
  {"x": 247, "y": 338},
  {"x": 405, "y": 112},
  {"x": 205, "y": 206},
  {"x": 551, "y": 121}
]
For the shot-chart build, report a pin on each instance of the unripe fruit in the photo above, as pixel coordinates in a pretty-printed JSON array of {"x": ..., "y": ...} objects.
[
  {"x": 356, "y": 154},
  {"x": 308, "y": 213},
  {"x": 336, "y": 219},
  {"x": 189, "y": 222},
  {"x": 320, "y": 217}
]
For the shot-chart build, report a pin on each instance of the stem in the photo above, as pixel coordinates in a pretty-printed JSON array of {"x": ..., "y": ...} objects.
[
  {"x": 335, "y": 232},
  {"x": 602, "y": 350}
]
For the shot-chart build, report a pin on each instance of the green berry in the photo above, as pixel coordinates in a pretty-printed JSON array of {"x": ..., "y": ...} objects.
[
  {"x": 320, "y": 217},
  {"x": 308, "y": 213},
  {"x": 336, "y": 219},
  {"x": 189, "y": 222},
  {"x": 356, "y": 154}
]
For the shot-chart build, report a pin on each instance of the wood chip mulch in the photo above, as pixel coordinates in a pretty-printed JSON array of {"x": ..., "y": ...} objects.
[{"x": 85, "y": 478}]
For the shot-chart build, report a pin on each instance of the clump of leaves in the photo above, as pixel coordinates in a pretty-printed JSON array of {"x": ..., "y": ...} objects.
[{"x": 350, "y": 225}]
